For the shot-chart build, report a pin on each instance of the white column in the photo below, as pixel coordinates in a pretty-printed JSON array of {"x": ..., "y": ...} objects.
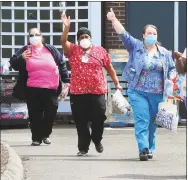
[
  {"x": 94, "y": 24},
  {"x": 176, "y": 25}
]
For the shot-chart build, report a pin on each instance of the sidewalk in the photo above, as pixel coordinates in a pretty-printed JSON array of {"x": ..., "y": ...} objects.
[
  {"x": 58, "y": 161},
  {"x": 11, "y": 164}
]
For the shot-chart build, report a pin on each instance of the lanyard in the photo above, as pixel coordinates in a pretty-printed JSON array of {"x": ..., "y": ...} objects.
[{"x": 88, "y": 54}]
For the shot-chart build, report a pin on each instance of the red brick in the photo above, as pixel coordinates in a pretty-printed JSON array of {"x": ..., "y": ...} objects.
[{"x": 111, "y": 39}]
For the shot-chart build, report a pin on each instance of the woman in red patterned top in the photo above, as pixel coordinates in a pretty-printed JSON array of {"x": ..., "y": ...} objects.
[{"x": 87, "y": 86}]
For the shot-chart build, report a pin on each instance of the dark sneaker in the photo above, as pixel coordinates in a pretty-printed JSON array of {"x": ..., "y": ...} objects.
[
  {"x": 36, "y": 143},
  {"x": 81, "y": 153},
  {"x": 99, "y": 148},
  {"x": 46, "y": 140},
  {"x": 144, "y": 155},
  {"x": 150, "y": 155}
]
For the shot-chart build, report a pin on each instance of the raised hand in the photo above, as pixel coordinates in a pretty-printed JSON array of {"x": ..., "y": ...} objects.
[
  {"x": 110, "y": 15},
  {"x": 65, "y": 20}
]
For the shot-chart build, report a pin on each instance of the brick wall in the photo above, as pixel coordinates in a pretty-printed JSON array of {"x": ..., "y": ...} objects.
[{"x": 110, "y": 37}]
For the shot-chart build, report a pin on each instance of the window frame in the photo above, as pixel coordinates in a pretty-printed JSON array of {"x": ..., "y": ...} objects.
[{"x": 94, "y": 20}]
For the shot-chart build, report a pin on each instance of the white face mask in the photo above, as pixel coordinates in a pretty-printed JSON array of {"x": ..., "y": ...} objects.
[
  {"x": 35, "y": 40},
  {"x": 85, "y": 43}
]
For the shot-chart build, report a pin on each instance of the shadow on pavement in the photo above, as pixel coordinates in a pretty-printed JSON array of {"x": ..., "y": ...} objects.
[{"x": 75, "y": 158}]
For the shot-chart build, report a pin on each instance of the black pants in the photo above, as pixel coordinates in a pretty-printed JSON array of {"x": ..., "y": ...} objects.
[
  {"x": 42, "y": 108},
  {"x": 88, "y": 108}
]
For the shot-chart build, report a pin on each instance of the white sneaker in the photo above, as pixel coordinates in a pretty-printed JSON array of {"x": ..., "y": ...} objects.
[
  {"x": 46, "y": 140},
  {"x": 35, "y": 143},
  {"x": 81, "y": 153}
]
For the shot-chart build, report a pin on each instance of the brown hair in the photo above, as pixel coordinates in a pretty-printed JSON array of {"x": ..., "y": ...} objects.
[
  {"x": 34, "y": 28},
  {"x": 39, "y": 32},
  {"x": 154, "y": 27}
]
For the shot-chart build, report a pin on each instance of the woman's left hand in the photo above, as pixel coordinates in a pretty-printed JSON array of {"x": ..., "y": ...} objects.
[{"x": 118, "y": 86}]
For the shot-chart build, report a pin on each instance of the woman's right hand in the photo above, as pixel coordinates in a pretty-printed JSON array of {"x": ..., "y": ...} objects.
[
  {"x": 26, "y": 54},
  {"x": 111, "y": 16},
  {"x": 65, "y": 20}
]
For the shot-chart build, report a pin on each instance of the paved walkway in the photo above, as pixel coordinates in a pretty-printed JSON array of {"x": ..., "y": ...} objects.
[{"x": 119, "y": 160}]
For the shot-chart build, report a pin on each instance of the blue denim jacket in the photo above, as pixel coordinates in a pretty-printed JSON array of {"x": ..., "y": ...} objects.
[{"x": 134, "y": 66}]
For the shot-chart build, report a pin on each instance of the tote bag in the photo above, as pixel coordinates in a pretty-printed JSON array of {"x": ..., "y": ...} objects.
[{"x": 167, "y": 115}]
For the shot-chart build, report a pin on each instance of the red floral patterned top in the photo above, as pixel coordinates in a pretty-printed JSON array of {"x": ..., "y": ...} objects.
[{"x": 87, "y": 70}]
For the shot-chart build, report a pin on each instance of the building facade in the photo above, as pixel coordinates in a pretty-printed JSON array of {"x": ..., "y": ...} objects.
[{"x": 18, "y": 17}]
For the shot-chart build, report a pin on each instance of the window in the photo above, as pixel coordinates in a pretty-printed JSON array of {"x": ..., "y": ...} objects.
[
  {"x": 6, "y": 52},
  {"x": 6, "y": 14},
  {"x": 19, "y": 27},
  {"x": 20, "y": 16},
  {"x": 57, "y": 27},
  {"x": 44, "y": 14},
  {"x": 44, "y": 4},
  {"x": 31, "y": 25},
  {"x": 45, "y": 27},
  {"x": 6, "y": 3},
  {"x": 6, "y": 40},
  {"x": 31, "y": 3},
  {"x": 19, "y": 40},
  {"x": 19, "y": 3},
  {"x": 6, "y": 27}
]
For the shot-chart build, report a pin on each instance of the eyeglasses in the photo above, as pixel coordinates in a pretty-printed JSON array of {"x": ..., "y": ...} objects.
[
  {"x": 32, "y": 35},
  {"x": 84, "y": 37}
]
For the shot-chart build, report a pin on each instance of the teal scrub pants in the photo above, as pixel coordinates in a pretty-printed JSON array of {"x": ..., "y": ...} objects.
[{"x": 145, "y": 108}]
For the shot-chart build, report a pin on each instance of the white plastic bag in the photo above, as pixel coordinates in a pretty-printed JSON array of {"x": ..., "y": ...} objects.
[
  {"x": 4, "y": 67},
  {"x": 119, "y": 103},
  {"x": 180, "y": 81},
  {"x": 167, "y": 115},
  {"x": 168, "y": 85}
]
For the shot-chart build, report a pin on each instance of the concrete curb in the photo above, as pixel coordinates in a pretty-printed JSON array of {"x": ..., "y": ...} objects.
[{"x": 14, "y": 168}]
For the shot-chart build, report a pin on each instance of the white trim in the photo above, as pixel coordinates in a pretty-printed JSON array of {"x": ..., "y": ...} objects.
[
  {"x": 95, "y": 22},
  {"x": 26, "y": 33},
  {"x": 47, "y": 21},
  {"x": 13, "y": 28},
  {"x": 42, "y": 8},
  {"x": 176, "y": 26}
]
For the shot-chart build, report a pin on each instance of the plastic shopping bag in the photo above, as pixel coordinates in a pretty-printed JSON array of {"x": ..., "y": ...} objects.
[
  {"x": 180, "y": 87},
  {"x": 168, "y": 85},
  {"x": 167, "y": 115},
  {"x": 119, "y": 103},
  {"x": 4, "y": 67}
]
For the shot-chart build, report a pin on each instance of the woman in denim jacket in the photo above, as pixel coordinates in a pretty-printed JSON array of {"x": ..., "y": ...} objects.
[{"x": 148, "y": 67}]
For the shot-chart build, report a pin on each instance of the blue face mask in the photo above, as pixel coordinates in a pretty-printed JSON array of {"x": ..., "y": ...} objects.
[{"x": 150, "y": 40}]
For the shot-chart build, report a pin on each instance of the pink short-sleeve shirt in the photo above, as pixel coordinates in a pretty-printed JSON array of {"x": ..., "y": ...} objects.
[{"x": 42, "y": 69}]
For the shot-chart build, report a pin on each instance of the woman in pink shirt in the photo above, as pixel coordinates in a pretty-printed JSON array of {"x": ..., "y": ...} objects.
[
  {"x": 87, "y": 86},
  {"x": 41, "y": 67}
]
